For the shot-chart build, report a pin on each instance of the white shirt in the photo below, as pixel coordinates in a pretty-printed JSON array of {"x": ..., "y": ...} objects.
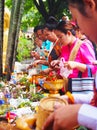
[
  {"x": 83, "y": 98},
  {"x": 87, "y": 116}
]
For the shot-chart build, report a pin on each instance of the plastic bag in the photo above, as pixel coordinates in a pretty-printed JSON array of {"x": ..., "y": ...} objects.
[{"x": 64, "y": 72}]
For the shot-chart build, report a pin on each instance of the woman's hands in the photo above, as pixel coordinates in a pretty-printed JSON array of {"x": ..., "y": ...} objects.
[
  {"x": 73, "y": 64},
  {"x": 68, "y": 64},
  {"x": 36, "y": 55},
  {"x": 34, "y": 64},
  {"x": 46, "y": 71},
  {"x": 55, "y": 64}
]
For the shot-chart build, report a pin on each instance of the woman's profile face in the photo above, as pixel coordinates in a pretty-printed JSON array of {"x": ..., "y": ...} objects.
[
  {"x": 86, "y": 24},
  {"x": 50, "y": 35},
  {"x": 64, "y": 39},
  {"x": 38, "y": 41}
]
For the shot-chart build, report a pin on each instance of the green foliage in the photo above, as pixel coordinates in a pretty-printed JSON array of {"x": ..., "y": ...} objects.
[
  {"x": 28, "y": 5},
  {"x": 30, "y": 19},
  {"x": 36, "y": 97},
  {"x": 31, "y": 16},
  {"x": 82, "y": 128},
  {"x": 8, "y": 3},
  {"x": 23, "y": 80},
  {"x": 24, "y": 48}
]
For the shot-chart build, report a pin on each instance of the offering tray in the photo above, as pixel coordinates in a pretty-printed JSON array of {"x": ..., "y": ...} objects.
[{"x": 54, "y": 86}]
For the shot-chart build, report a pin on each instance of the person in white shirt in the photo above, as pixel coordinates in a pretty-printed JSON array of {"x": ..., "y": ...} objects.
[{"x": 84, "y": 13}]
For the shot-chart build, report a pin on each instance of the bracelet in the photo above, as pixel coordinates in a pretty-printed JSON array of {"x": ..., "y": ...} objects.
[{"x": 70, "y": 97}]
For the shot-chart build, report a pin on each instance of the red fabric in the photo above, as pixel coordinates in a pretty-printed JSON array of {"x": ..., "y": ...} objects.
[{"x": 94, "y": 100}]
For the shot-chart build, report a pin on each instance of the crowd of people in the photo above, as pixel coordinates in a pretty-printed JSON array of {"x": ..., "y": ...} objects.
[
  {"x": 84, "y": 14},
  {"x": 59, "y": 39}
]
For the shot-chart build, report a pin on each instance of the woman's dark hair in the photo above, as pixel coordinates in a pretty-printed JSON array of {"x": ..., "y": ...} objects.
[
  {"x": 50, "y": 26},
  {"x": 65, "y": 26},
  {"x": 52, "y": 20},
  {"x": 51, "y": 23},
  {"x": 39, "y": 27}
]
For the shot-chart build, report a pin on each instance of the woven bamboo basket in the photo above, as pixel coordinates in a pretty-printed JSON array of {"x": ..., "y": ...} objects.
[{"x": 46, "y": 107}]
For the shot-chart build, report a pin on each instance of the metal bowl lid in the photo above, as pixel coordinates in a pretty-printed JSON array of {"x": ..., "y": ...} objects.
[{"x": 49, "y": 102}]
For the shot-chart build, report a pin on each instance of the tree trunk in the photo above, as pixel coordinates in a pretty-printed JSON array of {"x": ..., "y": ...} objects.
[
  {"x": 18, "y": 30},
  {"x": 13, "y": 36},
  {"x": 1, "y": 34}
]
